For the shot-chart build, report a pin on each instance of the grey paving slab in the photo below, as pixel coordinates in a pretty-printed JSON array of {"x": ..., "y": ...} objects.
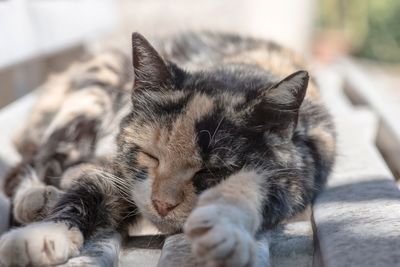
[
  {"x": 141, "y": 251},
  {"x": 139, "y": 257},
  {"x": 331, "y": 82},
  {"x": 371, "y": 92},
  {"x": 357, "y": 218},
  {"x": 4, "y": 213},
  {"x": 292, "y": 245}
]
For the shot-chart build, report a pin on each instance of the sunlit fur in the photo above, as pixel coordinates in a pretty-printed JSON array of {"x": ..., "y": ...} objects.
[{"x": 211, "y": 120}]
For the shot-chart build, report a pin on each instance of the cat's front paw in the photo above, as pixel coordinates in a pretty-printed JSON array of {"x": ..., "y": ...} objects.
[
  {"x": 33, "y": 204},
  {"x": 217, "y": 241},
  {"x": 40, "y": 244}
]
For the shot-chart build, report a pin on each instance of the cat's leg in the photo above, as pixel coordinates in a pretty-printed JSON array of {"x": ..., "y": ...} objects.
[
  {"x": 32, "y": 199},
  {"x": 223, "y": 225},
  {"x": 91, "y": 204}
]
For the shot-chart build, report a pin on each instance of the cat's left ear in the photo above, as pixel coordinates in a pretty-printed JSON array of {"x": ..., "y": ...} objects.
[
  {"x": 289, "y": 93},
  {"x": 276, "y": 111},
  {"x": 149, "y": 68}
]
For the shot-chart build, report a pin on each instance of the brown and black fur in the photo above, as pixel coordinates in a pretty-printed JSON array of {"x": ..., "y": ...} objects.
[{"x": 211, "y": 116}]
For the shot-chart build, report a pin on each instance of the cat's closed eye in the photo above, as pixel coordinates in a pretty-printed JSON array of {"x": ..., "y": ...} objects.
[
  {"x": 148, "y": 159},
  {"x": 208, "y": 170},
  {"x": 202, "y": 171}
]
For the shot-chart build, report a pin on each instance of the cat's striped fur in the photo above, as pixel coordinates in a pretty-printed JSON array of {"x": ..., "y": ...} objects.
[{"x": 213, "y": 139}]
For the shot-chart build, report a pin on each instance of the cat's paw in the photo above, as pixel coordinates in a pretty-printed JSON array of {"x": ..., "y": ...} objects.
[
  {"x": 217, "y": 241},
  {"x": 40, "y": 244},
  {"x": 33, "y": 203}
]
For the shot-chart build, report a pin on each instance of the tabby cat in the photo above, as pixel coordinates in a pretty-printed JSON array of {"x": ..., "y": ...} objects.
[{"x": 221, "y": 137}]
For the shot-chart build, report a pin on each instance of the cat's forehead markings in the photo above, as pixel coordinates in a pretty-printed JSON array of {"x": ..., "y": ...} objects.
[
  {"x": 160, "y": 96},
  {"x": 199, "y": 106},
  {"x": 181, "y": 139},
  {"x": 183, "y": 130},
  {"x": 141, "y": 134},
  {"x": 182, "y": 143}
]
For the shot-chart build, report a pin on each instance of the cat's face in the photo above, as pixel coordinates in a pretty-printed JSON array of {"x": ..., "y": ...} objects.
[{"x": 187, "y": 132}]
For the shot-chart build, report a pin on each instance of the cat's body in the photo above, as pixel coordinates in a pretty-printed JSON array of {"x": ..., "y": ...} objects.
[{"x": 218, "y": 145}]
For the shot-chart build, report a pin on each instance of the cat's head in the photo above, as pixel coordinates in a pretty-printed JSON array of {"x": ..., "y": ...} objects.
[{"x": 189, "y": 131}]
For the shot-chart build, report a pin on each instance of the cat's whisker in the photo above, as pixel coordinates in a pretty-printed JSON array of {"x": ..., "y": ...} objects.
[
  {"x": 216, "y": 130},
  {"x": 222, "y": 138},
  {"x": 229, "y": 167},
  {"x": 225, "y": 148},
  {"x": 131, "y": 213}
]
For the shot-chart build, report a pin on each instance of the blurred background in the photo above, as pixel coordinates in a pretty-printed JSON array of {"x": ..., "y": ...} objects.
[{"x": 38, "y": 37}]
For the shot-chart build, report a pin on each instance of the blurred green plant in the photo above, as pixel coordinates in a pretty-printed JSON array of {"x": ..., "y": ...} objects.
[{"x": 371, "y": 26}]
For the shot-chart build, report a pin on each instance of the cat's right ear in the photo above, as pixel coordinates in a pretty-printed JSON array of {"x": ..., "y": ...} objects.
[{"x": 149, "y": 68}]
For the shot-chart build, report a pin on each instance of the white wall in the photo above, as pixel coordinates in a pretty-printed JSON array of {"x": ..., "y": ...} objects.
[{"x": 33, "y": 28}]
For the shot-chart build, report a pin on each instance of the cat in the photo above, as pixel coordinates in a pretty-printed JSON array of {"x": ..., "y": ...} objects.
[{"x": 221, "y": 137}]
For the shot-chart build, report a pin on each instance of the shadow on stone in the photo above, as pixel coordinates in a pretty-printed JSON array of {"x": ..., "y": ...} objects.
[
  {"x": 351, "y": 244},
  {"x": 375, "y": 189}
]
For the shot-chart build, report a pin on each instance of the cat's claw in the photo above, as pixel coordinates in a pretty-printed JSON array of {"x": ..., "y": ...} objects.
[
  {"x": 40, "y": 244},
  {"x": 217, "y": 241}
]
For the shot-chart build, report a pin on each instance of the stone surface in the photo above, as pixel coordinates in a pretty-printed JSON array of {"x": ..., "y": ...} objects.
[
  {"x": 371, "y": 92},
  {"x": 141, "y": 251},
  {"x": 357, "y": 217},
  {"x": 4, "y": 213},
  {"x": 292, "y": 245}
]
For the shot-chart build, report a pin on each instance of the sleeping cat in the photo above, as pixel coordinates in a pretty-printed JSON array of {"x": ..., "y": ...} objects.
[{"x": 221, "y": 137}]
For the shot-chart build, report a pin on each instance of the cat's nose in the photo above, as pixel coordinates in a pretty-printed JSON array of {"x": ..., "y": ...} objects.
[{"x": 162, "y": 207}]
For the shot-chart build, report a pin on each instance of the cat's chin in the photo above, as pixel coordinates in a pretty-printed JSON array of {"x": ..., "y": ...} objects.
[{"x": 165, "y": 225}]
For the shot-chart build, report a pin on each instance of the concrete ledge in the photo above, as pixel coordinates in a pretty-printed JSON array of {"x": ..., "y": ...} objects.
[
  {"x": 362, "y": 90},
  {"x": 4, "y": 213},
  {"x": 141, "y": 251},
  {"x": 292, "y": 245},
  {"x": 331, "y": 83},
  {"x": 357, "y": 218}
]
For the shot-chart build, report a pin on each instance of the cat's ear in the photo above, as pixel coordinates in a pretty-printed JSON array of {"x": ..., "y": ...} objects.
[
  {"x": 149, "y": 68},
  {"x": 288, "y": 94},
  {"x": 276, "y": 111}
]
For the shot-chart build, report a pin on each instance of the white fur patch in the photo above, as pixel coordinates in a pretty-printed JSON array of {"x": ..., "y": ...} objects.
[{"x": 40, "y": 244}]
